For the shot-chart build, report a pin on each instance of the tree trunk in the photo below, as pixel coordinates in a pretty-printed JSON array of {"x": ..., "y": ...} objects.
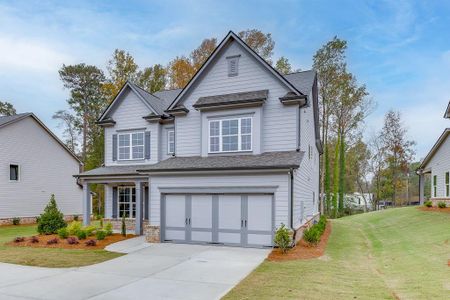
[
  {"x": 341, "y": 172},
  {"x": 327, "y": 181},
  {"x": 323, "y": 175},
  {"x": 336, "y": 177},
  {"x": 85, "y": 129}
]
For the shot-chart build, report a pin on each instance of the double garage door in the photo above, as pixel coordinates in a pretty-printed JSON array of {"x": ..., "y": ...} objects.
[{"x": 237, "y": 219}]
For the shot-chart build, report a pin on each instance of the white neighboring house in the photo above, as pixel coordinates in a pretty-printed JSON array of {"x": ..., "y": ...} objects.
[
  {"x": 34, "y": 164},
  {"x": 226, "y": 160},
  {"x": 437, "y": 164},
  {"x": 359, "y": 201}
]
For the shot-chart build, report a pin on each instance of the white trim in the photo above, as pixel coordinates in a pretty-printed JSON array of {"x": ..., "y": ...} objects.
[
  {"x": 169, "y": 131},
  {"x": 239, "y": 134},
  {"x": 130, "y": 135},
  {"x": 130, "y": 202},
  {"x": 19, "y": 172}
]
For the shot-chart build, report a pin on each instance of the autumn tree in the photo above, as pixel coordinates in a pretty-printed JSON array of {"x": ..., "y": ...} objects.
[
  {"x": 201, "y": 53},
  {"x": 398, "y": 151},
  {"x": 7, "y": 109},
  {"x": 283, "y": 66},
  {"x": 121, "y": 67},
  {"x": 180, "y": 71},
  {"x": 87, "y": 100},
  {"x": 71, "y": 129},
  {"x": 152, "y": 79},
  {"x": 262, "y": 43}
]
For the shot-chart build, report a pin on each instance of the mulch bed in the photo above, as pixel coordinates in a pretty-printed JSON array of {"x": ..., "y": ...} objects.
[
  {"x": 303, "y": 250},
  {"x": 62, "y": 243},
  {"x": 435, "y": 209}
]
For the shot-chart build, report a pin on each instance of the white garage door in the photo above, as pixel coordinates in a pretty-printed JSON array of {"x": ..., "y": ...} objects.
[{"x": 234, "y": 219}]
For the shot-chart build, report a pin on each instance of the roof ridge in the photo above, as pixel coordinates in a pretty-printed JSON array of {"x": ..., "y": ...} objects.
[{"x": 304, "y": 71}]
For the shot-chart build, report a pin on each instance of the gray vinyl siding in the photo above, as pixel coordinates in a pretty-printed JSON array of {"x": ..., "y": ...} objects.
[
  {"x": 440, "y": 164},
  {"x": 279, "y": 128},
  {"x": 45, "y": 168},
  {"x": 306, "y": 178},
  {"x": 128, "y": 116},
  {"x": 280, "y": 180}
]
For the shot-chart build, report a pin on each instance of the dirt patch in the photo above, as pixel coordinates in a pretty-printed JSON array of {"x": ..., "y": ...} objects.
[
  {"x": 435, "y": 209},
  {"x": 303, "y": 250},
  {"x": 63, "y": 244}
]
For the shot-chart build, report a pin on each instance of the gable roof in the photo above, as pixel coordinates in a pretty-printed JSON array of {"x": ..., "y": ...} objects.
[
  {"x": 447, "y": 111},
  {"x": 229, "y": 99},
  {"x": 435, "y": 148},
  {"x": 303, "y": 80},
  {"x": 8, "y": 120},
  {"x": 232, "y": 36}
]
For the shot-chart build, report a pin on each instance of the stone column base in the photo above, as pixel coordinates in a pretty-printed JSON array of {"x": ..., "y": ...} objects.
[
  {"x": 152, "y": 233},
  {"x": 130, "y": 224}
]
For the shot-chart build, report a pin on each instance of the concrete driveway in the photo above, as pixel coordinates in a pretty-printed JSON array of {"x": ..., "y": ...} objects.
[{"x": 150, "y": 271}]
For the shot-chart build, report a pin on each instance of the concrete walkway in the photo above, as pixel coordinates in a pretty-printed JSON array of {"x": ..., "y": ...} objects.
[{"x": 148, "y": 271}]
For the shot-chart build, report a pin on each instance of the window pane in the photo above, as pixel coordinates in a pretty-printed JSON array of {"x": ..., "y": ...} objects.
[
  {"x": 214, "y": 144},
  {"x": 124, "y": 152},
  {"x": 230, "y": 143},
  {"x": 246, "y": 142},
  {"x": 246, "y": 126},
  {"x": 138, "y": 138},
  {"x": 230, "y": 127},
  {"x": 124, "y": 140},
  {"x": 214, "y": 129},
  {"x": 138, "y": 152},
  {"x": 14, "y": 172}
]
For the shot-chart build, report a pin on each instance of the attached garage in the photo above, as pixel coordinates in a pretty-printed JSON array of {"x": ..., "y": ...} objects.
[{"x": 245, "y": 220}]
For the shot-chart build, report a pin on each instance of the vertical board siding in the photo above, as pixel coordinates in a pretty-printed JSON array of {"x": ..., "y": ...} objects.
[
  {"x": 306, "y": 178},
  {"x": 440, "y": 164},
  {"x": 128, "y": 115},
  {"x": 45, "y": 168},
  {"x": 280, "y": 180},
  {"x": 278, "y": 130}
]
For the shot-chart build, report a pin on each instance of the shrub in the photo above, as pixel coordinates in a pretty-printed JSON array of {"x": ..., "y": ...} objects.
[
  {"x": 52, "y": 219},
  {"x": 441, "y": 204},
  {"x": 75, "y": 218},
  {"x": 63, "y": 233},
  {"x": 34, "y": 239},
  {"x": 19, "y": 239},
  {"x": 283, "y": 238},
  {"x": 109, "y": 228},
  {"x": 90, "y": 230},
  {"x": 311, "y": 235},
  {"x": 91, "y": 243},
  {"x": 81, "y": 234},
  {"x": 71, "y": 240},
  {"x": 100, "y": 235},
  {"x": 124, "y": 226},
  {"x": 74, "y": 227},
  {"x": 428, "y": 203},
  {"x": 16, "y": 221},
  {"x": 101, "y": 223},
  {"x": 52, "y": 241}
]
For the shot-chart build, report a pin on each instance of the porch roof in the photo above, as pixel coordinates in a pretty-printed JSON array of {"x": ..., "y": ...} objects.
[{"x": 128, "y": 170}]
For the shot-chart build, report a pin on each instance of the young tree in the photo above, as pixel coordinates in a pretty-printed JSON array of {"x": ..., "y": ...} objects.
[
  {"x": 152, "y": 79},
  {"x": 121, "y": 67},
  {"x": 283, "y": 66},
  {"x": 376, "y": 166},
  {"x": 200, "y": 55},
  {"x": 398, "y": 150},
  {"x": 71, "y": 129},
  {"x": 87, "y": 99},
  {"x": 7, "y": 109},
  {"x": 261, "y": 43},
  {"x": 180, "y": 71}
]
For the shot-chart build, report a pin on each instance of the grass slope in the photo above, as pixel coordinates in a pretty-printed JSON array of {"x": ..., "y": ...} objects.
[
  {"x": 393, "y": 254},
  {"x": 43, "y": 257}
]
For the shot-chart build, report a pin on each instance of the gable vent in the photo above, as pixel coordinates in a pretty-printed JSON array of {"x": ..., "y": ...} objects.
[{"x": 233, "y": 65}]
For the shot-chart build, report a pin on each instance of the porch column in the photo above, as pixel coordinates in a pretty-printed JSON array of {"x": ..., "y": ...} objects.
[
  {"x": 108, "y": 201},
  {"x": 139, "y": 208},
  {"x": 86, "y": 204},
  {"x": 421, "y": 187}
]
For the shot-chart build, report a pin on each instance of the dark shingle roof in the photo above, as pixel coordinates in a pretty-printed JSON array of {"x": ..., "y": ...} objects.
[
  {"x": 234, "y": 98},
  {"x": 303, "y": 81},
  {"x": 268, "y": 160},
  {"x": 112, "y": 171},
  {"x": 167, "y": 96},
  {"x": 156, "y": 103},
  {"x": 4, "y": 120}
]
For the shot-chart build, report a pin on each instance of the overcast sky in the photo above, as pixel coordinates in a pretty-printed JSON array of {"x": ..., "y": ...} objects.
[{"x": 399, "y": 49}]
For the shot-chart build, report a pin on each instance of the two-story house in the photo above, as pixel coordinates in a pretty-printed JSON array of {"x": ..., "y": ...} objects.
[
  {"x": 437, "y": 164},
  {"x": 226, "y": 160}
]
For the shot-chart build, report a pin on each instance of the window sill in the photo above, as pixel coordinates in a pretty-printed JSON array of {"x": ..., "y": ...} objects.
[{"x": 231, "y": 152}]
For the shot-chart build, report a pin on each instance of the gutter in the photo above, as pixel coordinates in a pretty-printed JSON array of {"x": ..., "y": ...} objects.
[{"x": 291, "y": 203}]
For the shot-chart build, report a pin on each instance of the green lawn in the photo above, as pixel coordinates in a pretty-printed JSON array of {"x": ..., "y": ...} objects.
[
  {"x": 54, "y": 258},
  {"x": 393, "y": 254}
]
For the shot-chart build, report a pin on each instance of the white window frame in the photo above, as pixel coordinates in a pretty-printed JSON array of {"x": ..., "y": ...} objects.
[
  {"x": 131, "y": 157},
  {"x": 239, "y": 119},
  {"x": 18, "y": 172},
  {"x": 130, "y": 202},
  {"x": 169, "y": 142}
]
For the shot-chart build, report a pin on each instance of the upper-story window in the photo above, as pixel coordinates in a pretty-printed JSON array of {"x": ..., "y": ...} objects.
[
  {"x": 230, "y": 135},
  {"x": 233, "y": 65},
  {"x": 131, "y": 146},
  {"x": 14, "y": 172},
  {"x": 171, "y": 142}
]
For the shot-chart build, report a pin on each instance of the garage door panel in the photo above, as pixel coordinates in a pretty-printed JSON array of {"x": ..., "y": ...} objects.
[
  {"x": 229, "y": 238},
  {"x": 200, "y": 236},
  {"x": 201, "y": 211},
  {"x": 230, "y": 212},
  {"x": 171, "y": 234},
  {"x": 259, "y": 239},
  {"x": 175, "y": 211},
  {"x": 259, "y": 212}
]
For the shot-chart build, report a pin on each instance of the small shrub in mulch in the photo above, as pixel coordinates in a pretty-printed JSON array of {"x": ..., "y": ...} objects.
[
  {"x": 428, "y": 204},
  {"x": 33, "y": 239},
  {"x": 109, "y": 228},
  {"x": 434, "y": 209},
  {"x": 71, "y": 240},
  {"x": 19, "y": 239},
  {"x": 442, "y": 204},
  {"x": 16, "y": 221},
  {"x": 52, "y": 241},
  {"x": 91, "y": 243},
  {"x": 283, "y": 238},
  {"x": 63, "y": 233},
  {"x": 81, "y": 234},
  {"x": 52, "y": 219},
  {"x": 100, "y": 235}
]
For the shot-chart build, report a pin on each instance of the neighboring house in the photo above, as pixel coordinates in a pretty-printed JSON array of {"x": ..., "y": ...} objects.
[
  {"x": 34, "y": 164},
  {"x": 226, "y": 160},
  {"x": 437, "y": 164},
  {"x": 359, "y": 201}
]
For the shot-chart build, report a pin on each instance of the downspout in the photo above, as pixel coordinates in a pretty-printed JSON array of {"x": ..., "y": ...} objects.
[{"x": 291, "y": 204}]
